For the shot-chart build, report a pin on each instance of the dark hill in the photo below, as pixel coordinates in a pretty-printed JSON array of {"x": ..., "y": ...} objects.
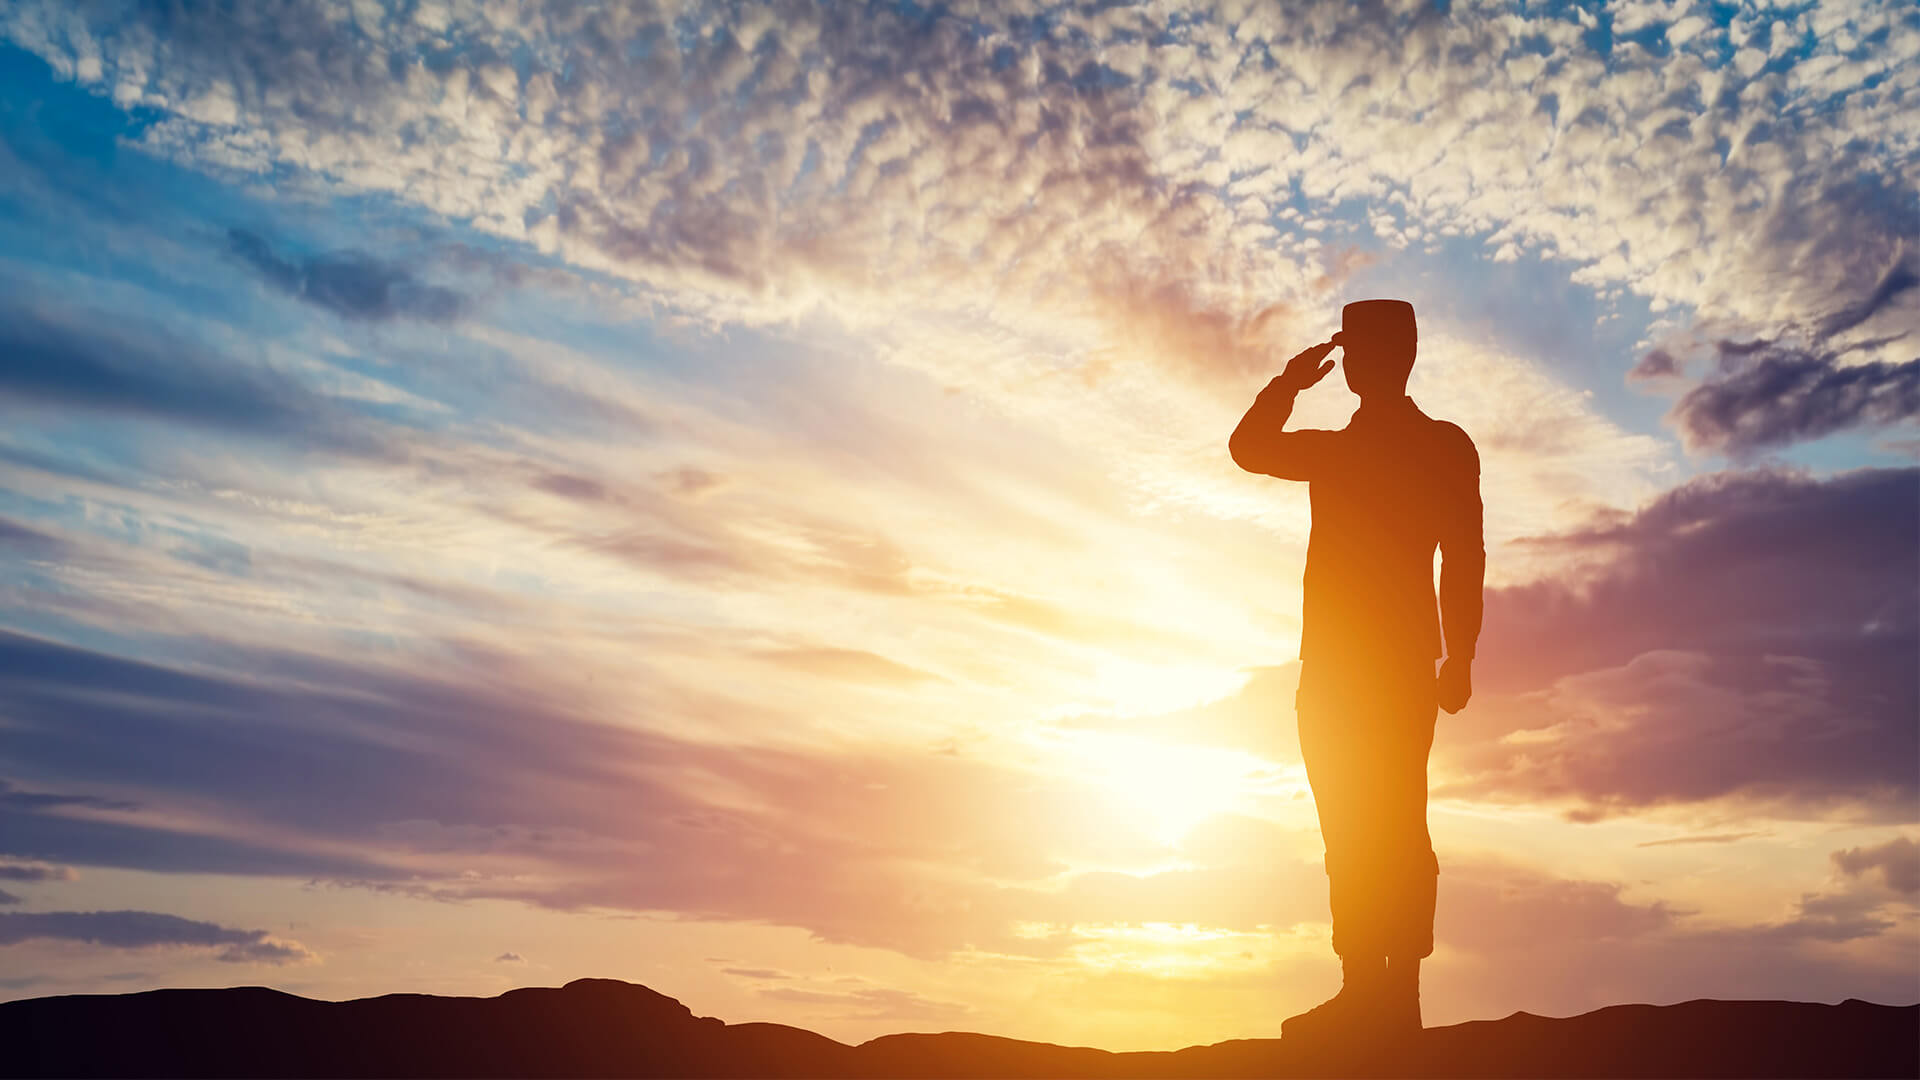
[{"x": 602, "y": 1027}]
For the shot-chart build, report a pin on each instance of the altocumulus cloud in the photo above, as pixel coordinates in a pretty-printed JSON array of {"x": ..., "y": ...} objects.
[
  {"x": 1113, "y": 168},
  {"x": 141, "y": 929}
]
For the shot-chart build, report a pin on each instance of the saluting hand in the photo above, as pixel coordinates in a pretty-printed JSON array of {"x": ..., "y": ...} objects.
[{"x": 1306, "y": 369}]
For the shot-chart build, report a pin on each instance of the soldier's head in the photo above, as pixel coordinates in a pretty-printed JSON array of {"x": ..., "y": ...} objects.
[{"x": 1379, "y": 340}]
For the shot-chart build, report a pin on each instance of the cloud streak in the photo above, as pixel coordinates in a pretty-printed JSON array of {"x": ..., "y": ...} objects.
[
  {"x": 350, "y": 284},
  {"x": 65, "y": 359},
  {"x": 35, "y": 872},
  {"x": 145, "y": 929}
]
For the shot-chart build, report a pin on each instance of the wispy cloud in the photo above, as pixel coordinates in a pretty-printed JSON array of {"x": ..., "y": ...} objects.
[
  {"x": 35, "y": 872},
  {"x": 351, "y": 284},
  {"x": 66, "y": 358},
  {"x": 141, "y": 929}
]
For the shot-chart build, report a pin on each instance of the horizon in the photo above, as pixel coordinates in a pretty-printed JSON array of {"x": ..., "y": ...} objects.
[
  {"x": 736, "y": 499},
  {"x": 618, "y": 1028}
]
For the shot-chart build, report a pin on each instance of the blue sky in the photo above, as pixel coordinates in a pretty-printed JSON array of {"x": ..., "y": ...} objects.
[{"x": 735, "y": 497}]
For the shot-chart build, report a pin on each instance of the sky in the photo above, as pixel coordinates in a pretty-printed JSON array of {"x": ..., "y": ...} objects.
[{"x": 735, "y": 497}]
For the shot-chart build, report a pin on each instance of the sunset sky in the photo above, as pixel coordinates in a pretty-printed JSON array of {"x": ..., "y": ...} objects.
[{"x": 735, "y": 498}]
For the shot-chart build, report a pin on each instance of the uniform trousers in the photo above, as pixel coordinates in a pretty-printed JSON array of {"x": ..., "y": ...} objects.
[{"x": 1365, "y": 732}]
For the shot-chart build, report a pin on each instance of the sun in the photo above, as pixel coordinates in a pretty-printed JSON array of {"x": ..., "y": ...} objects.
[
  {"x": 1129, "y": 688},
  {"x": 1158, "y": 788}
]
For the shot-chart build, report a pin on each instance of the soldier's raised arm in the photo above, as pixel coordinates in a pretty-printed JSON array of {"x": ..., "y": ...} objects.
[{"x": 1260, "y": 444}]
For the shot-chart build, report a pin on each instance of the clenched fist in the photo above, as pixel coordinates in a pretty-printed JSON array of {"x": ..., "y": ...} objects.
[{"x": 1455, "y": 684}]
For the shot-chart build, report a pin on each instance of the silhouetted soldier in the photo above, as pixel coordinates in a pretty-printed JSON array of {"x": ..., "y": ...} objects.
[{"x": 1386, "y": 490}]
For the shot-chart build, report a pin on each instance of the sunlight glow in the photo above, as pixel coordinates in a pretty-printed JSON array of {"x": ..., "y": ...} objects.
[
  {"x": 1170, "y": 950},
  {"x": 1131, "y": 688},
  {"x": 1158, "y": 788}
]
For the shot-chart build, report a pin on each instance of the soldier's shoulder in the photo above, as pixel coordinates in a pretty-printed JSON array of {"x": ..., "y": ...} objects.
[
  {"x": 1450, "y": 430},
  {"x": 1453, "y": 438}
]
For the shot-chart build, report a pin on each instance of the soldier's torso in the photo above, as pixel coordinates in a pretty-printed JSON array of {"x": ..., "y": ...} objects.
[{"x": 1377, "y": 518}]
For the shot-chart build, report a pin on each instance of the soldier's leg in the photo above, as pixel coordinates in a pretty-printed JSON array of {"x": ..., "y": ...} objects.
[
  {"x": 1411, "y": 871},
  {"x": 1337, "y": 747},
  {"x": 1336, "y": 770}
]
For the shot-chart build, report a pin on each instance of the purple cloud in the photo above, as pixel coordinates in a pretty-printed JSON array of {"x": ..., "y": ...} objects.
[{"x": 141, "y": 929}]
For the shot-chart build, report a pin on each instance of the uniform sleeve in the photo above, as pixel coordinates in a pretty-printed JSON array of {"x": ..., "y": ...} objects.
[
  {"x": 1463, "y": 552},
  {"x": 1260, "y": 445}
]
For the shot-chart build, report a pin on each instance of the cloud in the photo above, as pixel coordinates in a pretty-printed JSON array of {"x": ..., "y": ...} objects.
[
  {"x": 1898, "y": 861},
  {"x": 1494, "y": 907},
  {"x": 1176, "y": 180},
  {"x": 1679, "y": 727},
  {"x": 570, "y": 486},
  {"x": 38, "y": 871},
  {"x": 13, "y": 797},
  {"x": 140, "y": 929},
  {"x": 482, "y": 772},
  {"x": 509, "y": 958},
  {"x": 29, "y": 542},
  {"x": 68, "y": 364},
  {"x": 293, "y": 771},
  {"x": 350, "y": 284},
  {"x": 1712, "y": 838},
  {"x": 923, "y": 854},
  {"x": 1099, "y": 199},
  {"x": 1750, "y": 562},
  {"x": 1257, "y": 718},
  {"x": 67, "y": 359},
  {"x": 856, "y": 665},
  {"x": 1836, "y": 917},
  {"x": 1899, "y": 279},
  {"x": 8, "y": 898},
  {"x": 1655, "y": 367},
  {"x": 1779, "y": 396},
  {"x": 1748, "y": 635},
  {"x": 139, "y": 846},
  {"x": 873, "y": 1003},
  {"x": 1507, "y": 931}
]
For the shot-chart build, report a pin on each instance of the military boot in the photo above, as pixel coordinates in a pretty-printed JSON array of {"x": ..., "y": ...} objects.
[
  {"x": 1398, "y": 1006},
  {"x": 1350, "y": 1014}
]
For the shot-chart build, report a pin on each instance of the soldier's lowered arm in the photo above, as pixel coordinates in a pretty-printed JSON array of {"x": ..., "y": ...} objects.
[{"x": 1463, "y": 572}]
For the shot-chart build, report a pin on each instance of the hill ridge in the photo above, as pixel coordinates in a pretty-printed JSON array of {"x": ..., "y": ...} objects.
[{"x": 606, "y": 1027}]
